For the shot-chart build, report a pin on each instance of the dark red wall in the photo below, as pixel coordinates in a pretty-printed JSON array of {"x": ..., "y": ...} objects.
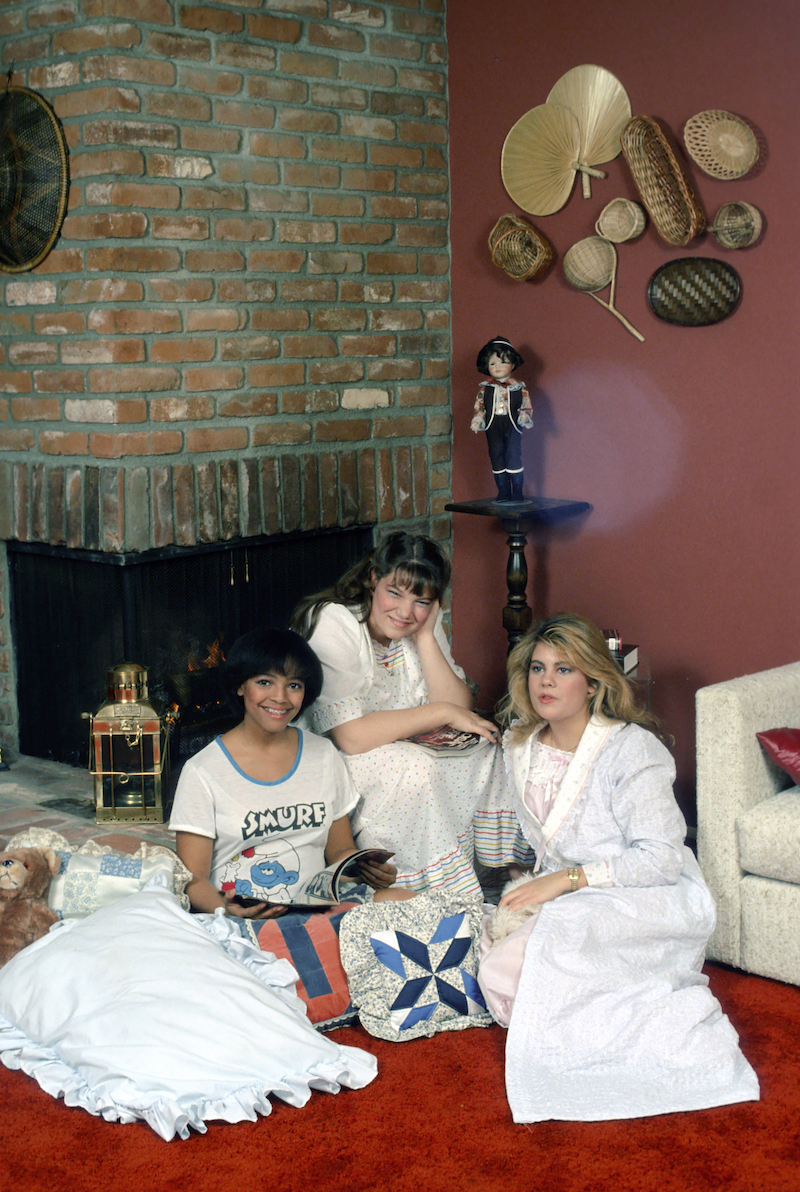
[{"x": 686, "y": 445}]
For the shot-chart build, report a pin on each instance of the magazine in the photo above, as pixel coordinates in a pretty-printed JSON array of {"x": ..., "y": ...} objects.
[
  {"x": 327, "y": 886},
  {"x": 448, "y": 740}
]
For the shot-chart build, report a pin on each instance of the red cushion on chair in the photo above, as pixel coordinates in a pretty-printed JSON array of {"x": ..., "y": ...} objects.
[{"x": 782, "y": 745}]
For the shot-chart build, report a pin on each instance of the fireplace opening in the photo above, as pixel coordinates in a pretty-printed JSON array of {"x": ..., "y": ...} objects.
[{"x": 76, "y": 613}]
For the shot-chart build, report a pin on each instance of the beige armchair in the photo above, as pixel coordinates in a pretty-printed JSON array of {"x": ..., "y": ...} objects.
[{"x": 748, "y": 823}]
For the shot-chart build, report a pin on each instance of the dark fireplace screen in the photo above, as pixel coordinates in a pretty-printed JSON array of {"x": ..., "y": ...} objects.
[{"x": 76, "y": 613}]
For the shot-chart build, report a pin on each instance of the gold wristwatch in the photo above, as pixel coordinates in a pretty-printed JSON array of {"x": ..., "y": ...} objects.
[{"x": 574, "y": 876}]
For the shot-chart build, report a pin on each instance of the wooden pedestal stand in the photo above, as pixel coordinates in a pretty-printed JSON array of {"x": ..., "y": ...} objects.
[{"x": 518, "y": 518}]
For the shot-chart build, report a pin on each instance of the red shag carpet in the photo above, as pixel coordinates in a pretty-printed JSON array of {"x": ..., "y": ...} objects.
[{"x": 436, "y": 1120}]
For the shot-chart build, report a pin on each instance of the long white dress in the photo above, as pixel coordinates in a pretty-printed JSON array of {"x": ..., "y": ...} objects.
[
  {"x": 613, "y": 1017},
  {"x": 419, "y": 805}
]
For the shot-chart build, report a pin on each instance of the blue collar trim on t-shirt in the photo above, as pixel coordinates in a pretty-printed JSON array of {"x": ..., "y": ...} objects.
[{"x": 258, "y": 781}]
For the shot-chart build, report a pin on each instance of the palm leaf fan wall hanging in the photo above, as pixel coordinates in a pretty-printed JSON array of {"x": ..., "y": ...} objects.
[
  {"x": 34, "y": 179},
  {"x": 578, "y": 128},
  {"x": 601, "y": 105},
  {"x": 539, "y": 157}
]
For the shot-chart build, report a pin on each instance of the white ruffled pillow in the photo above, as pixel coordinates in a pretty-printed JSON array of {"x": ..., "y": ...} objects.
[{"x": 143, "y": 1011}]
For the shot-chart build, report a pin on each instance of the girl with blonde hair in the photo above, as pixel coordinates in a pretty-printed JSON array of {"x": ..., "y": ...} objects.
[
  {"x": 600, "y": 984},
  {"x": 584, "y": 646}
]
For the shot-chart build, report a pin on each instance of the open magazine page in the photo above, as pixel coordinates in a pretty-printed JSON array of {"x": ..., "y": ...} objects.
[
  {"x": 446, "y": 740},
  {"x": 329, "y": 885}
]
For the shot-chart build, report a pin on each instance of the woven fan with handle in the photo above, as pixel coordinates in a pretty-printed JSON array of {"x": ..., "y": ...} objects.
[
  {"x": 591, "y": 265},
  {"x": 34, "y": 179}
]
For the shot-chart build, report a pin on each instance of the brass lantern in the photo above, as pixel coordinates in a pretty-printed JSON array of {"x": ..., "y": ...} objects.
[{"x": 129, "y": 750}]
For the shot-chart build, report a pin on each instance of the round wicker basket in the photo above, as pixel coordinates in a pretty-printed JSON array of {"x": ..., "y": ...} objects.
[
  {"x": 518, "y": 248},
  {"x": 737, "y": 225},
  {"x": 620, "y": 220},
  {"x": 722, "y": 145}
]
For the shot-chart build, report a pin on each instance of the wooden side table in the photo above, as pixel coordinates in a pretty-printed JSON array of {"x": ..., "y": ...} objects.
[{"x": 518, "y": 518}]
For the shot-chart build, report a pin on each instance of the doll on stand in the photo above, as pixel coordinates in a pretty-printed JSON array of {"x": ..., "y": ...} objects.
[{"x": 503, "y": 411}]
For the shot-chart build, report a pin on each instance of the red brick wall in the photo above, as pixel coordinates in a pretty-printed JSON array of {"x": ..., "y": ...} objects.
[{"x": 244, "y": 327}]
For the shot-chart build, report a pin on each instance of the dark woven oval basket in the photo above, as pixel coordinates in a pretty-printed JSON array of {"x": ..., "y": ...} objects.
[{"x": 694, "y": 291}]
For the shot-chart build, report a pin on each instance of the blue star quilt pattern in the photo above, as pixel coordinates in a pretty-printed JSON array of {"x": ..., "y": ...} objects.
[{"x": 412, "y": 966}]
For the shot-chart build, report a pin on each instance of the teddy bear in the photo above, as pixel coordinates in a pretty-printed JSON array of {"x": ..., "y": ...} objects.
[
  {"x": 25, "y": 876},
  {"x": 502, "y": 920}
]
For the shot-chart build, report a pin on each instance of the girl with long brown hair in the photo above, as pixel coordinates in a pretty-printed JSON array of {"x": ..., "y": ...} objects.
[{"x": 389, "y": 675}]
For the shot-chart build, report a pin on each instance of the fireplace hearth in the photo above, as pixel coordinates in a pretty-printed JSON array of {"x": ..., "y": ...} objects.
[{"x": 76, "y": 613}]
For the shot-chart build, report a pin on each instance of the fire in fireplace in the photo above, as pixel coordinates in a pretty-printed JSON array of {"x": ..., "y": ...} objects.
[{"x": 75, "y": 613}]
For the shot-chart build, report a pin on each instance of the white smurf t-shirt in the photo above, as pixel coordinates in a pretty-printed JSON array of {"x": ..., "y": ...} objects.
[{"x": 269, "y": 837}]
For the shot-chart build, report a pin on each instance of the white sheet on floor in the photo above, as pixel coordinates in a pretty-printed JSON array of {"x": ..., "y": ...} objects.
[{"x": 144, "y": 1011}]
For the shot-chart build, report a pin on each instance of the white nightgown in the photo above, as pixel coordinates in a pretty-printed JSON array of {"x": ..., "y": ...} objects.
[
  {"x": 419, "y": 805},
  {"x": 613, "y": 1017}
]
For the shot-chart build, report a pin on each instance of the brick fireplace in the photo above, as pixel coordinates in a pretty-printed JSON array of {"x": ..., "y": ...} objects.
[{"x": 243, "y": 331}]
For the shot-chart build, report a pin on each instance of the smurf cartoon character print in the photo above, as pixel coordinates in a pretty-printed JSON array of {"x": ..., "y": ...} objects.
[{"x": 267, "y": 872}]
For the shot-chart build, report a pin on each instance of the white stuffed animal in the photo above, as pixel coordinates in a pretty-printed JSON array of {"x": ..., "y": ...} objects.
[{"x": 503, "y": 920}]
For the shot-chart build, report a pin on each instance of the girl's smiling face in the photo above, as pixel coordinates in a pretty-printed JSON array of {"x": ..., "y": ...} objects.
[
  {"x": 559, "y": 691},
  {"x": 272, "y": 700},
  {"x": 396, "y": 611}
]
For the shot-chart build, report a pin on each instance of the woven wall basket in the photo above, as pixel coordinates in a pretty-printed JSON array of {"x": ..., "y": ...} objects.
[
  {"x": 721, "y": 144},
  {"x": 518, "y": 248},
  {"x": 666, "y": 193},
  {"x": 620, "y": 220},
  {"x": 34, "y": 179},
  {"x": 694, "y": 291},
  {"x": 737, "y": 225}
]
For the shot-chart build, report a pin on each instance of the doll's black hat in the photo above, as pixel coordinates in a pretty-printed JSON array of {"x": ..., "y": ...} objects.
[{"x": 498, "y": 344}]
